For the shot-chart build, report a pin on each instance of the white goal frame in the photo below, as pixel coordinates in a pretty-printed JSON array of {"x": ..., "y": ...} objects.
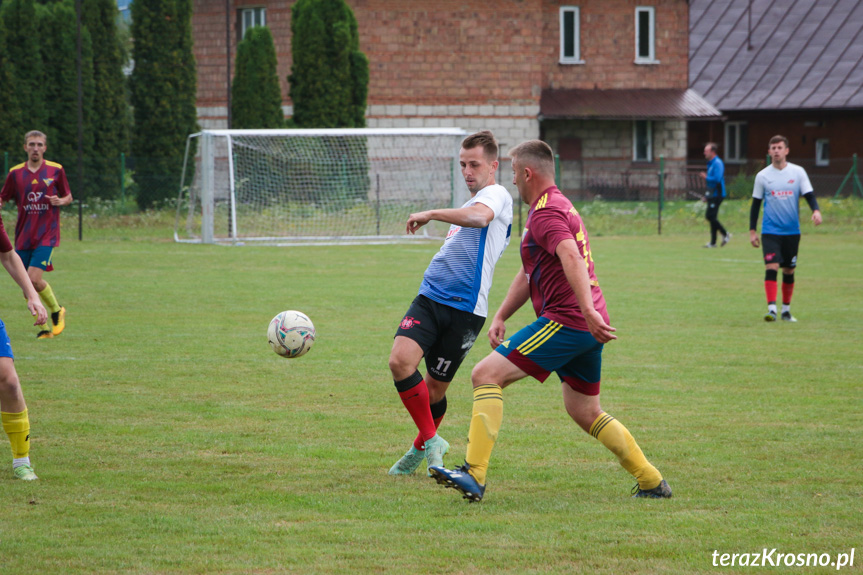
[{"x": 402, "y": 169}]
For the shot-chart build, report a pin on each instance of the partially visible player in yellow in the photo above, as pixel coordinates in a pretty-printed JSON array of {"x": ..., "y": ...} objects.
[
  {"x": 13, "y": 410},
  {"x": 39, "y": 188}
]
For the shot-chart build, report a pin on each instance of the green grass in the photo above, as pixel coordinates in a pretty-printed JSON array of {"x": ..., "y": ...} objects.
[{"x": 170, "y": 439}]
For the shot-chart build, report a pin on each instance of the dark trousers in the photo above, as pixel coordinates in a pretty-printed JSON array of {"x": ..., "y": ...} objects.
[{"x": 711, "y": 216}]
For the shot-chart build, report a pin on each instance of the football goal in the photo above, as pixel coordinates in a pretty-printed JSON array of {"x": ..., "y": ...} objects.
[{"x": 337, "y": 186}]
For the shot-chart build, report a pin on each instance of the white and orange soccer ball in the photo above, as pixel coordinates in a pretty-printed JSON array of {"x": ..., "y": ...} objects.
[{"x": 291, "y": 334}]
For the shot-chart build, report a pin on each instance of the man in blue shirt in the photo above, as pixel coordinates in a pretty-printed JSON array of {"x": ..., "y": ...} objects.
[
  {"x": 779, "y": 186},
  {"x": 715, "y": 179}
]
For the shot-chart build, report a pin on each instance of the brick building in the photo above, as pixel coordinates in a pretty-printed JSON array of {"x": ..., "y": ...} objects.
[
  {"x": 792, "y": 68},
  {"x": 603, "y": 81}
]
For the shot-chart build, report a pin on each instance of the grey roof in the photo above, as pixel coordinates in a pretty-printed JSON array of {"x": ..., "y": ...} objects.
[
  {"x": 631, "y": 104},
  {"x": 805, "y": 54}
]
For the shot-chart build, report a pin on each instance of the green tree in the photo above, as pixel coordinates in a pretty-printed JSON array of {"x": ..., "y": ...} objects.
[
  {"x": 330, "y": 75},
  {"x": 328, "y": 87},
  {"x": 163, "y": 91},
  {"x": 59, "y": 51},
  {"x": 110, "y": 127},
  {"x": 11, "y": 137},
  {"x": 256, "y": 99},
  {"x": 22, "y": 35}
]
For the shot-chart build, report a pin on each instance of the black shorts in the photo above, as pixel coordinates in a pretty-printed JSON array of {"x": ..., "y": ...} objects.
[
  {"x": 445, "y": 334},
  {"x": 780, "y": 250}
]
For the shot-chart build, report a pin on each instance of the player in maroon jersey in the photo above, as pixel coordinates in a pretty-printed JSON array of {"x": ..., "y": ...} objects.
[
  {"x": 572, "y": 326},
  {"x": 13, "y": 410},
  {"x": 39, "y": 188}
]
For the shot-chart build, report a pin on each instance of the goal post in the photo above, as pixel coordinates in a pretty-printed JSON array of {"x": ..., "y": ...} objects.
[{"x": 336, "y": 186}]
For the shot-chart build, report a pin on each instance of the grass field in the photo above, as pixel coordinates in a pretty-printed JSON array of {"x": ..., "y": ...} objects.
[{"x": 169, "y": 439}]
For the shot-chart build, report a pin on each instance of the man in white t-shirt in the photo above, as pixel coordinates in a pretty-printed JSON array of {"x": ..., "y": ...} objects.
[
  {"x": 780, "y": 186},
  {"x": 447, "y": 315}
]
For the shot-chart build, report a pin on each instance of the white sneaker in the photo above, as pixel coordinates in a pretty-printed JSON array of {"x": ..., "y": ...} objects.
[{"x": 725, "y": 240}]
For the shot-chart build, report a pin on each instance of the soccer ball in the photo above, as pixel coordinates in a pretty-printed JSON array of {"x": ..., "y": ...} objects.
[{"x": 291, "y": 334}]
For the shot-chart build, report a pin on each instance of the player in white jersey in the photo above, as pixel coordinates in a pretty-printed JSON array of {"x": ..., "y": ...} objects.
[
  {"x": 780, "y": 186},
  {"x": 447, "y": 315}
]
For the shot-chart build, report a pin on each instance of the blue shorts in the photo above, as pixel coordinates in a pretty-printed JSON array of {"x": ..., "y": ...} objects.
[
  {"x": 37, "y": 258},
  {"x": 5, "y": 344},
  {"x": 545, "y": 346}
]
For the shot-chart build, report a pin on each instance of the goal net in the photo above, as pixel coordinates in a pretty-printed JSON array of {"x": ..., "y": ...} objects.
[{"x": 335, "y": 186}]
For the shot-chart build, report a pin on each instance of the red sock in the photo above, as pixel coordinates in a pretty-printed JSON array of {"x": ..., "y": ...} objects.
[
  {"x": 787, "y": 290},
  {"x": 419, "y": 442},
  {"x": 770, "y": 290},
  {"x": 416, "y": 401}
]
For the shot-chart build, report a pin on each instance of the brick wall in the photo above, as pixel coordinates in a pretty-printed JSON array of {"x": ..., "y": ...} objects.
[{"x": 483, "y": 63}]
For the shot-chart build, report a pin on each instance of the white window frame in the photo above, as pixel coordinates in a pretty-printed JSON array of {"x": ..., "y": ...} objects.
[
  {"x": 257, "y": 17},
  {"x": 651, "y": 32},
  {"x": 822, "y": 152},
  {"x": 576, "y": 39},
  {"x": 734, "y": 144},
  {"x": 649, "y": 156}
]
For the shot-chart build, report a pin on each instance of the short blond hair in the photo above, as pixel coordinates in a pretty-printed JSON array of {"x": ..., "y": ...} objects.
[
  {"x": 535, "y": 154},
  {"x": 35, "y": 134}
]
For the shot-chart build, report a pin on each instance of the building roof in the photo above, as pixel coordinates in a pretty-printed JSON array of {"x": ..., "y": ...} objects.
[
  {"x": 630, "y": 104},
  {"x": 795, "y": 55}
]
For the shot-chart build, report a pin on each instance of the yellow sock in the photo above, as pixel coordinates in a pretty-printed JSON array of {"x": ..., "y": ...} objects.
[
  {"x": 17, "y": 427},
  {"x": 484, "y": 425},
  {"x": 617, "y": 438},
  {"x": 48, "y": 299}
]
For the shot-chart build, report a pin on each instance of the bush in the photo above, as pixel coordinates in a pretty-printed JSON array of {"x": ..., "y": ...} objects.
[
  {"x": 256, "y": 99},
  {"x": 741, "y": 186}
]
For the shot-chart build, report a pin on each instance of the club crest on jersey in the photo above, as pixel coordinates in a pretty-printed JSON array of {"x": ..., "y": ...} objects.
[
  {"x": 408, "y": 322},
  {"x": 790, "y": 181},
  {"x": 48, "y": 182}
]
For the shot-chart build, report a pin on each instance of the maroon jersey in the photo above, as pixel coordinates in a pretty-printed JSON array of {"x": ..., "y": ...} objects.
[
  {"x": 5, "y": 244},
  {"x": 552, "y": 219},
  {"x": 38, "y": 221}
]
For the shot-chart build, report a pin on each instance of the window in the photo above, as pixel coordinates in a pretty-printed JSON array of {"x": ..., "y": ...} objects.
[
  {"x": 642, "y": 141},
  {"x": 251, "y": 17},
  {"x": 570, "y": 36},
  {"x": 822, "y": 152},
  {"x": 736, "y": 138},
  {"x": 645, "y": 35}
]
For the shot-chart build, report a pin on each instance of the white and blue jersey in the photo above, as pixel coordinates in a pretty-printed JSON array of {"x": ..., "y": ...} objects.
[
  {"x": 781, "y": 191},
  {"x": 460, "y": 274}
]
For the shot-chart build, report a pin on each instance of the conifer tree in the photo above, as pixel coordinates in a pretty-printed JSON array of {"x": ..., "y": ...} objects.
[
  {"x": 59, "y": 52},
  {"x": 256, "y": 98},
  {"x": 163, "y": 88},
  {"x": 11, "y": 137},
  {"x": 329, "y": 77},
  {"x": 22, "y": 30},
  {"x": 110, "y": 127}
]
